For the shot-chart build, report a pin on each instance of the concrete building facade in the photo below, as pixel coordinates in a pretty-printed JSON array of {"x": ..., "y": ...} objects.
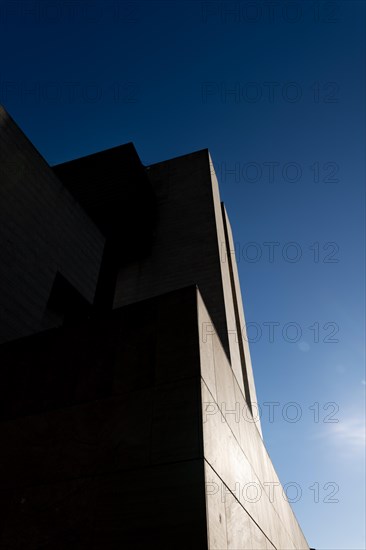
[{"x": 127, "y": 413}]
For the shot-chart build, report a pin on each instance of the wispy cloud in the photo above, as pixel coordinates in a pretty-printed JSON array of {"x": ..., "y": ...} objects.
[
  {"x": 346, "y": 437},
  {"x": 349, "y": 433}
]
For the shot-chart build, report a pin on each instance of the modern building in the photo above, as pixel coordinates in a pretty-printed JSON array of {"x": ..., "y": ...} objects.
[{"x": 127, "y": 396}]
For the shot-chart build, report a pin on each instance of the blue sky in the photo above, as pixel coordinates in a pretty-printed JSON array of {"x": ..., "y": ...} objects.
[{"x": 276, "y": 91}]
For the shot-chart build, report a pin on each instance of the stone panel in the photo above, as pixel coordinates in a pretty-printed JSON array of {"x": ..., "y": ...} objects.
[
  {"x": 239, "y": 535},
  {"x": 139, "y": 509},
  {"x": 94, "y": 438},
  {"x": 241, "y": 331},
  {"x": 207, "y": 363},
  {"x": 176, "y": 421},
  {"x": 185, "y": 250},
  {"x": 216, "y": 513},
  {"x": 242, "y": 464},
  {"x": 43, "y": 231}
]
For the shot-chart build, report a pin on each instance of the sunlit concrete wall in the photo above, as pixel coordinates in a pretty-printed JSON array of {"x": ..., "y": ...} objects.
[
  {"x": 241, "y": 511},
  {"x": 228, "y": 255}
]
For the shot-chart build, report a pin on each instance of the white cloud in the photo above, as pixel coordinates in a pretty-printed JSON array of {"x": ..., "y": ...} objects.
[
  {"x": 346, "y": 438},
  {"x": 349, "y": 433}
]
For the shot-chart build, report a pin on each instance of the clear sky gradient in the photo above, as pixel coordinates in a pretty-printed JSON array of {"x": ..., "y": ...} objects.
[{"x": 275, "y": 91}]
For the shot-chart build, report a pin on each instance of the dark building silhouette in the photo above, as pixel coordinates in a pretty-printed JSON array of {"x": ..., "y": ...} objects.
[{"x": 127, "y": 398}]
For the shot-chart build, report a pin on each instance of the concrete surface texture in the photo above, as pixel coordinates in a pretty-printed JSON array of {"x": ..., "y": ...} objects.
[{"x": 126, "y": 416}]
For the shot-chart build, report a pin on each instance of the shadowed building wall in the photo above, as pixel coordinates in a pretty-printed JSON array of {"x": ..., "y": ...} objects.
[
  {"x": 43, "y": 232},
  {"x": 128, "y": 422}
]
